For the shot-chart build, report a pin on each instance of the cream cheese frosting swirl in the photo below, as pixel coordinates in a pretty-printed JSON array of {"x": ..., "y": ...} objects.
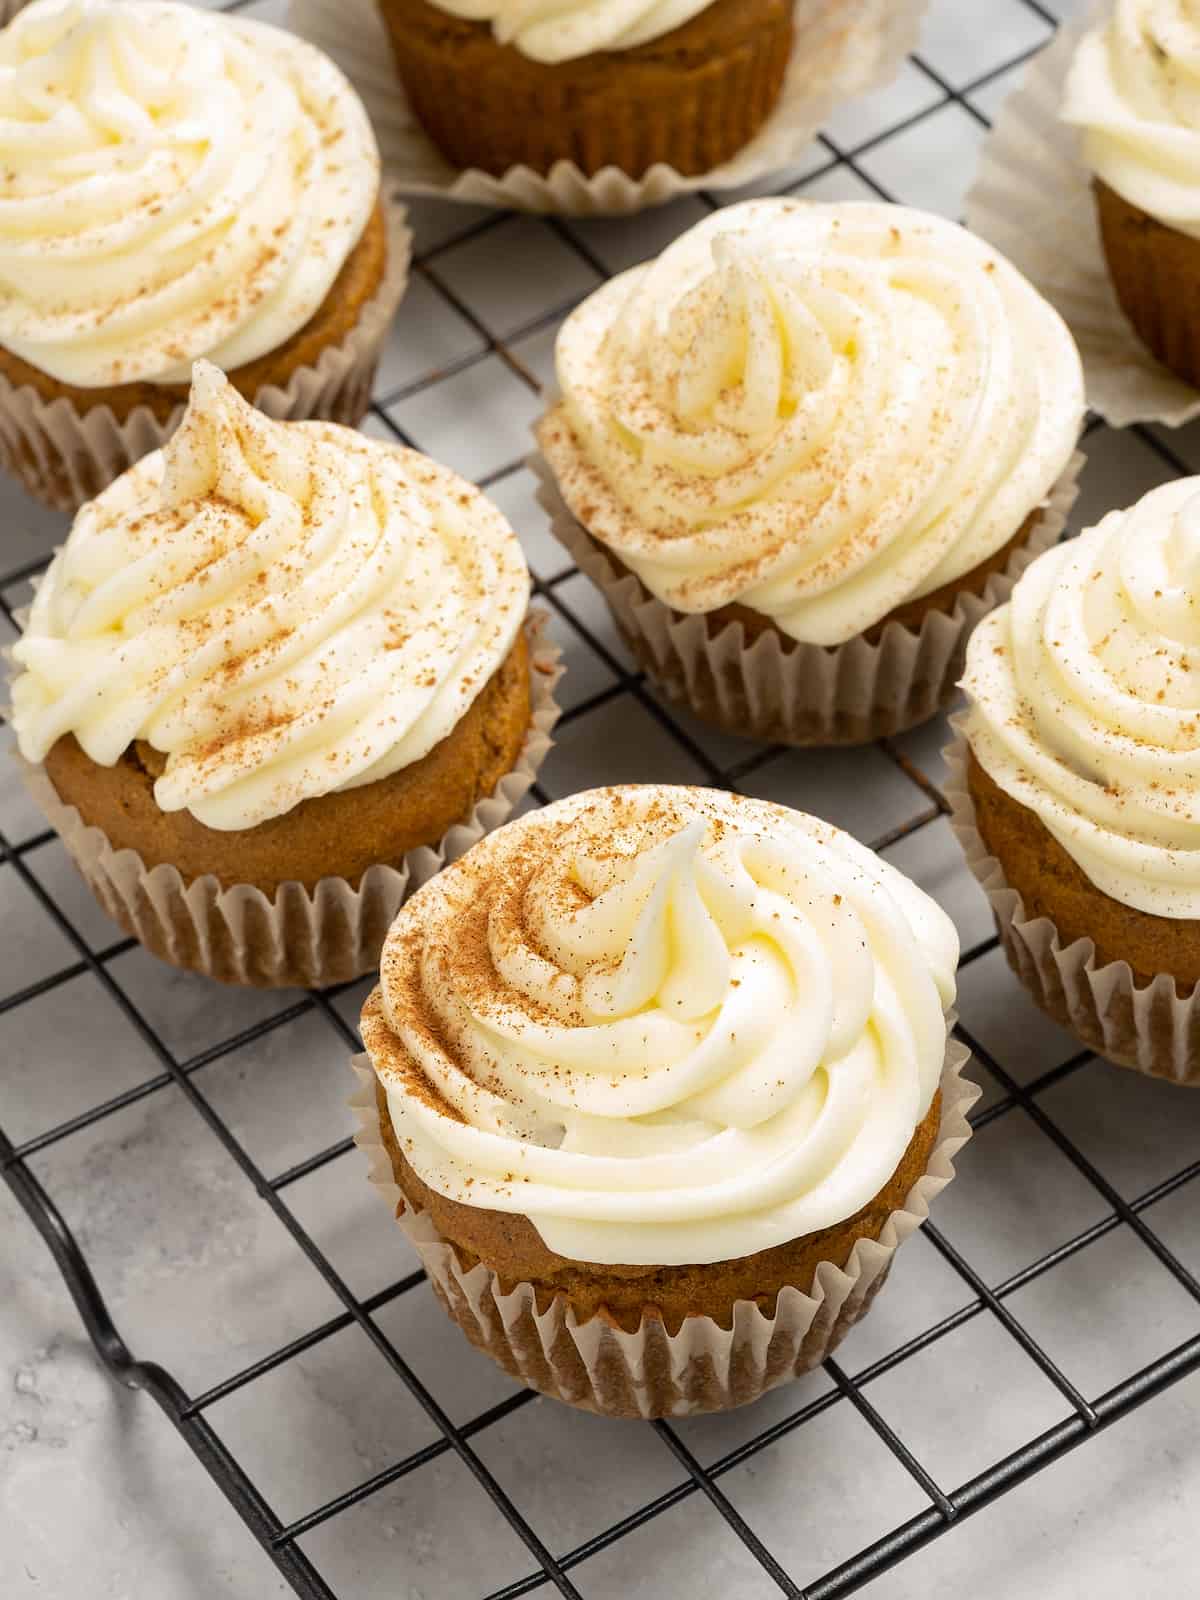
[
  {"x": 1085, "y": 699},
  {"x": 563, "y": 30},
  {"x": 283, "y": 609},
  {"x": 1134, "y": 89},
  {"x": 667, "y": 1025},
  {"x": 173, "y": 184},
  {"x": 818, "y": 411}
]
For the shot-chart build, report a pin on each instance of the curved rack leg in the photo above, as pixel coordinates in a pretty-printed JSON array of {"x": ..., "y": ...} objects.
[{"x": 154, "y": 1380}]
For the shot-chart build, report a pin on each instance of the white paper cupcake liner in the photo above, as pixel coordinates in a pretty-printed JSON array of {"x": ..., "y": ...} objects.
[
  {"x": 66, "y": 457},
  {"x": 1150, "y": 1029},
  {"x": 598, "y": 1366},
  {"x": 792, "y": 693},
  {"x": 848, "y": 49},
  {"x": 296, "y": 937},
  {"x": 1032, "y": 199}
]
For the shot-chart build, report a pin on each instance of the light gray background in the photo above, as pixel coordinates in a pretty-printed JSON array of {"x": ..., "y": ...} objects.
[{"x": 100, "y": 1498}]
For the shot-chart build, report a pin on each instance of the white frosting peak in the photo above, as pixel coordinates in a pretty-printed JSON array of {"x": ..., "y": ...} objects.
[
  {"x": 1134, "y": 89},
  {"x": 818, "y": 411},
  {"x": 668, "y": 1025},
  {"x": 1085, "y": 699},
  {"x": 282, "y": 609},
  {"x": 173, "y": 184},
  {"x": 562, "y": 30}
]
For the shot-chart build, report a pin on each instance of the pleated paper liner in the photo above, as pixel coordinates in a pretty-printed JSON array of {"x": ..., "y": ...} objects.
[
  {"x": 66, "y": 457},
  {"x": 599, "y": 1367},
  {"x": 296, "y": 938},
  {"x": 1032, "y": 199},
  {"x": 844, "y": 48},
  {"x": 1150, "y": 1029},
  {"x": 786, "y": 692}
]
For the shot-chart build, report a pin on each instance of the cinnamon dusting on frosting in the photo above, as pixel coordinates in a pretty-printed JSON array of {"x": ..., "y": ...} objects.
[
  {"x": 167, "y": 189},
  {"x": 302, "y": 610},
  {"x": 820, "y": 412},
  {"x": 668, "y": 1025},
  {"x": 1084, "y": 696}
]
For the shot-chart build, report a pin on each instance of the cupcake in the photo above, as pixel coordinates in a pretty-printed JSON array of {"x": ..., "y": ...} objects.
[
  {"x": 803, "y": 452},
  {"x": 1134, "y": 90},
  {"x": 601, "y": 83},
  {"x": 277, "y": 674},
  {"x": 656, "y": 1080},
  {"x": 1078, "y": 794},
  {"x": 177, "y": 184}
]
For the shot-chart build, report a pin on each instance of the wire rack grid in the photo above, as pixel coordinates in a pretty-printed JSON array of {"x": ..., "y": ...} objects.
[{"x": 461, "y": 379}]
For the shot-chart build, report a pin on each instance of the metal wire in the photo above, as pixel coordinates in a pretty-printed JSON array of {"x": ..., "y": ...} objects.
[{"x": 187, "y": 1413}]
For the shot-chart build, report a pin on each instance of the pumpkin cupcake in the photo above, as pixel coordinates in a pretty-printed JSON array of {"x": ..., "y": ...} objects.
[
  {"x": 499, "y": 84},
  {"x": 1134, "y": 90},
  {"x": 277, "y": 675},
  {"x": 1078, "y": 794},
  {"x": 656, "y": 1081},
  {"x": 176, "y": 184},
  {"x": 803, "y": 452}
]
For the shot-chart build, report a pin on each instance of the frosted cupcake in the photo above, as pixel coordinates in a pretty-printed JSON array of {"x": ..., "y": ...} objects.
[
  {"x": 177, "y": 184},
  {"x": 1134, "y": 91},
  {"x": 1080, "y": 810},
  {"x": 660, "y": 1080},
  {"x": 276, "y": 676},
  {"x": 629, "y": 84},
  {"x": 805, "y": 450}
]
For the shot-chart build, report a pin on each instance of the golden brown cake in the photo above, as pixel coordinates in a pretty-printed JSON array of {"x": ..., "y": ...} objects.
[
  {"x": 1081, "y": 782},
  {"x": 1051, "y": 884},
  {"x": 239, "y": 220},
  {"x": 340, "y": 834},
  {"x": 333, "y": 319},
  {"x": 627, "y": 1059},
  {"x": 1131, "y": 92},
  {"x": 269, "y": 660},
  {"x": 506, "y": 92},
  {"x": 1155, "y": 272},
  {"x": 511, "y": 1247}
]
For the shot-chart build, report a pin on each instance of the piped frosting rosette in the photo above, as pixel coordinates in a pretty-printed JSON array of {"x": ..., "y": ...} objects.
[
  {"x": 174, "y": 185},
  {"x": 820, "y": 413},
  {"x": 280, "y": 612},
  {"x": 1133, "y": 90},
  {"x": 1114, "y": 94},
  {"x": 1085, "y": 700},
  {"x": 1085, "y": 707},
  {"x": 667, "y": 1026}
]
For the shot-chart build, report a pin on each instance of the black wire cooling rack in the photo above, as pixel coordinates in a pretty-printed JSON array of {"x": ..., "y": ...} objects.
[{"x": 588, "y": 723}]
